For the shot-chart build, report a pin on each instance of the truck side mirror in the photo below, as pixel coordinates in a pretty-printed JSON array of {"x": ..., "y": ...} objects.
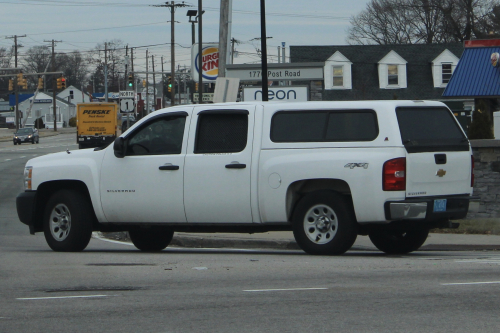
[{"x": 119, "y": 147}]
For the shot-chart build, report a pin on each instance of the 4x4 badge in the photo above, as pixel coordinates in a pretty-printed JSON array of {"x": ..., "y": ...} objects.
[{"x": 440, "y": 173}]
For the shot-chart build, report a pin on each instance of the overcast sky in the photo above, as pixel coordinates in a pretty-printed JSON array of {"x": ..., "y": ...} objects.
[{"x": 81, "y": 24}]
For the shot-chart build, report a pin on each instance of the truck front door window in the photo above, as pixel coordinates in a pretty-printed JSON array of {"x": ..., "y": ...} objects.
[{"x": 160, "y": 137}]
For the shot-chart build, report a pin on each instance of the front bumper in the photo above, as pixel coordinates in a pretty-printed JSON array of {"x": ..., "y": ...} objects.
[
  {"x": 26, "y": 205},
  {"x": 24, "y": 139},
  {"x": 456, "y": 207}
]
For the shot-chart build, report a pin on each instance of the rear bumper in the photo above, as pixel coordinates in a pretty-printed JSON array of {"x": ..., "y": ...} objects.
[
  {"x": 26, "y": 205},
  {"x": 423, "y": 209},
  {"x": 95, "y": 141}
]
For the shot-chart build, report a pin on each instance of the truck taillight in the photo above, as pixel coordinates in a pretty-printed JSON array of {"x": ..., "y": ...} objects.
[
  {"x": 472, "y": 171},
  {"x": 394, "y": 175}
]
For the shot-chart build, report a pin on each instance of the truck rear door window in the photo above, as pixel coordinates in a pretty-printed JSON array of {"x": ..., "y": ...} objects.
[
  {"x": 430, "y": 129},
  {"x": 222, "y": 132},
  {"x": 324, "y": 126}
]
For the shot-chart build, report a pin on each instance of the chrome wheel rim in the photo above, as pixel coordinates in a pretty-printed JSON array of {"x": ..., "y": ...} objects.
[
  {"x": 320, "y": 224},
  {"x": 60, "y": 222}
]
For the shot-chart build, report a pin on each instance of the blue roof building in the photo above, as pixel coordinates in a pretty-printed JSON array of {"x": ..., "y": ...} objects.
[{"x": 475, "y": 76}]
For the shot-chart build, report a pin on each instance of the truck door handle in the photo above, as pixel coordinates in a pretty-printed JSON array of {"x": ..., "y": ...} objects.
[
  {"x": 169, "y": 167},
  {"x": 236, "y": 166}
]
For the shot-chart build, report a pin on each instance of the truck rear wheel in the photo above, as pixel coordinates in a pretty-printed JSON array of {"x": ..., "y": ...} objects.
[
  {"x": 67, "y": 223},
  {"x": 324, "y": 224},
  {"x": 152, "y": 239},
  {"x": 398, "y": 242}
]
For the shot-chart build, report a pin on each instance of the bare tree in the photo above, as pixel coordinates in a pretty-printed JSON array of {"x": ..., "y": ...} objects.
[
  {"x": 74, "y": 66},
  {"x": 115, "y": 54},
  {"x": 422, "y": 21}
]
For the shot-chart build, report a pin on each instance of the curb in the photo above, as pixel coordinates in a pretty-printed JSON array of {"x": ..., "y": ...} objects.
[{"x": 273, "y": 244}]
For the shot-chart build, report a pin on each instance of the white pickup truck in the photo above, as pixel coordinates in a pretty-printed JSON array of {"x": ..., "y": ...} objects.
[{"x": 328, "y": 171}]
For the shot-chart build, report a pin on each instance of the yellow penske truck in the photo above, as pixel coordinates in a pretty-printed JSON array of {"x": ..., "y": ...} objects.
[{"x": 96, "y": 124}]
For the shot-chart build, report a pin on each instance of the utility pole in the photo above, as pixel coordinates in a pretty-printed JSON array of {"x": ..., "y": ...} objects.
[
  {"x": 18, "y": 118},
  {"x": 134, "y": 83},
  {"x": 172, "y": 6},
  {"x": 233, "y": 41},
  {"x": 154, "y": 82},
  {"x": 223, "y": 26},
  {"x": 54, "y": 81},
  {"x": 106, "y": 72},
  {"x": 162, "y": 85}
]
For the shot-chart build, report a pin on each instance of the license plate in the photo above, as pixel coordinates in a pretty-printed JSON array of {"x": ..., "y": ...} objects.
[{"x": 440, "y": 205}]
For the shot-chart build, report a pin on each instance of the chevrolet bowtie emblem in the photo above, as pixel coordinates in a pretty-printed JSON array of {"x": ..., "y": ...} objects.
[{"x": 440, "y": 173}]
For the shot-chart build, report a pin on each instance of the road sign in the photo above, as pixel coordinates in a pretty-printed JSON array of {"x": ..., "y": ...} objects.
[
  {"x": 127, "y": 94},
  {"x": 127, "y": 105},
  {"x": 207, "y": 97}
]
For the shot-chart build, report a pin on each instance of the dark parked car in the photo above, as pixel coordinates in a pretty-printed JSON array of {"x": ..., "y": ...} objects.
[{"x": 26, "y": 135}]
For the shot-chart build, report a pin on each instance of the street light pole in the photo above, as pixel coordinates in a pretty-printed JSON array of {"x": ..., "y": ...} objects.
[
  {"x": 263, "y": 46},
  {"x": 200, "y": 54}
]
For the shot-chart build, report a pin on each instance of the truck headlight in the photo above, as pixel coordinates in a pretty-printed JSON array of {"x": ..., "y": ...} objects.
[{"x": 28, "y": 171}]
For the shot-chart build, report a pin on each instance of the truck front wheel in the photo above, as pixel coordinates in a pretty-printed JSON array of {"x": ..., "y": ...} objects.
[
  {"x": 67, "y": 223},
  {"x": 152, "y": 239},
  {"x": 324, "y": 224},
  {"x": 398, "y": 242}
]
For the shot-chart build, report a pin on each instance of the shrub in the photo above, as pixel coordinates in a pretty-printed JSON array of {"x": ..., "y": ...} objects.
[
  {"x": 481, "y": 126},
  {"x": 72, "y": 122}
]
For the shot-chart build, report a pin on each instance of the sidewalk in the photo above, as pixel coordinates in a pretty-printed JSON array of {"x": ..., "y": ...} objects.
[
  {"x": 283, "y": 240},
  {"x": 6, "y": 134}
]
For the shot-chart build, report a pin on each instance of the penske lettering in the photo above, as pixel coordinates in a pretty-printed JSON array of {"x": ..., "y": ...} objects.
[{"x": 96, "y": 111}]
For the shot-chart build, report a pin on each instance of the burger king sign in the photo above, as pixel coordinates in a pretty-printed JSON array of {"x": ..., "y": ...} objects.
[{"x": 209, "y": 62}]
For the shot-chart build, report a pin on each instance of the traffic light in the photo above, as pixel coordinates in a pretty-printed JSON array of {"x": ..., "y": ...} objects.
[
  {"x": 19, "y": 78},
  {"x": 11, "y": 85},
  {"x": 63, "y": 83},
  {"x": 24, "y": 84},
  {"x": 143, "y": 83},
  {"x": 130, "y": 80},
  {"x": 40, "y": 83},
  {"x": 196, "y": 86},
  {"x": 169, "y": 84},
  {"x": 59, "y": 82}
]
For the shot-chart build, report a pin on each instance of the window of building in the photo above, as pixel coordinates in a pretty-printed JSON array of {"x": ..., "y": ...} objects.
[
  {"x": 324, "y": 126},
  {"x": 392, "y": 77},
  {"x": 162, "y": 136},
  {"x": 221, "y": 132},
  {"x": 338, "y": 76},
  {"x": 446, "y": 72}
]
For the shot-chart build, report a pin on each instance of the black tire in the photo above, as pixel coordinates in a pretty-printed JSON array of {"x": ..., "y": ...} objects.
[
  {"x": 15, "y": 143},
  {"x": 38, "y": 141},
  {"x": 152, "y": 239},
  {"x": 67, "y": 223},
  {"x": 398, "y": 242},
  {"x": 33, "y": 141},
  {"x": 324, "y": 224}
]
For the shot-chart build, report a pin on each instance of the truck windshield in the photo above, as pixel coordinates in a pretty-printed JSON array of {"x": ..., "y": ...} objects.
[{"x": 425, "y": 129}]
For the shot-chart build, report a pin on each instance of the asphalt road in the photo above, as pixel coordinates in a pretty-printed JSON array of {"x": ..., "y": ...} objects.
[{"x": 111, "y": 287}]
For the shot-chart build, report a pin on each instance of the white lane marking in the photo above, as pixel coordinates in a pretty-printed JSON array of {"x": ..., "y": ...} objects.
[
  {"x": 469, "y": 283},
  {"x": 289, "y": 289},
  {"x": 22, "y": 157},
  {"x": 62, "y": 297},
  {"x": 481, "y": 261},
  {"x": 8, "y": 159}
]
